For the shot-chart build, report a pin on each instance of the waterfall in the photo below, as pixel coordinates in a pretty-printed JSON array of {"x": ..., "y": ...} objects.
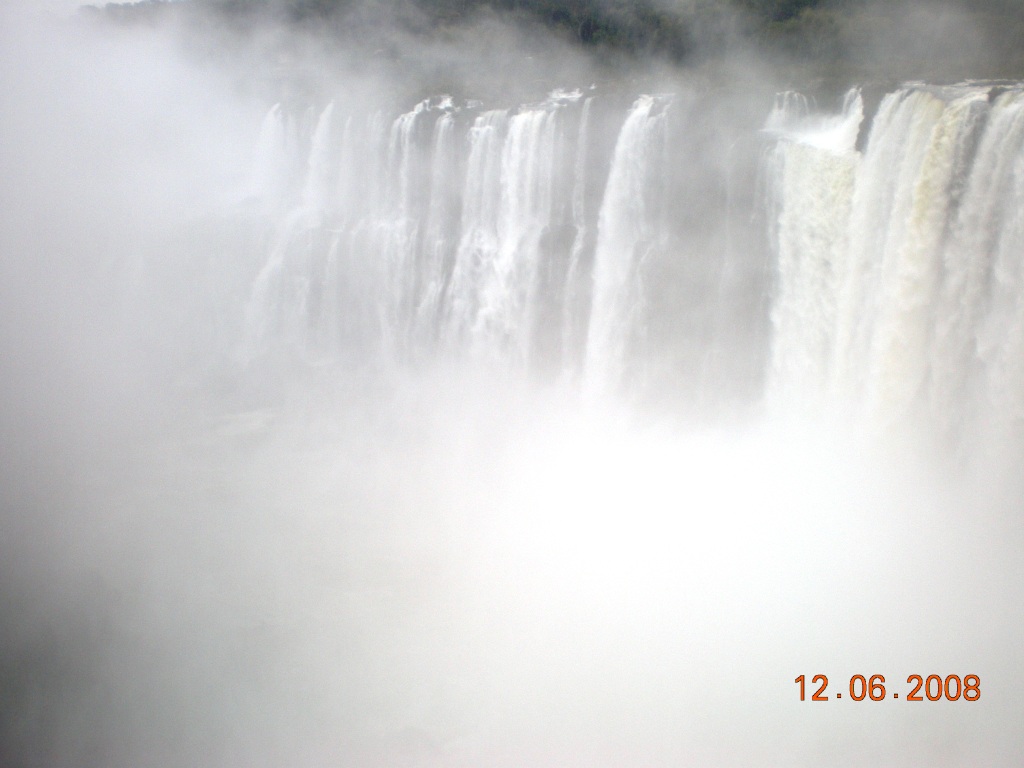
[
  {"x": 446, "y": 233},
  {"x": 814, "y": 179},
  {"x": 510, "y": 235},
  {"x": 479, "y": 229},
  {"x": 627, "y": 234},
  {"x": 899, "y": 266},
  {"x": 575, "y": 293},
  {"x": 507, "y": 292},
  {"x": 386, "y": 426},
  {"x": 277, "y": 158},
  {"x": 438, "y": 244},
  {"x": 319, "y": 177}
]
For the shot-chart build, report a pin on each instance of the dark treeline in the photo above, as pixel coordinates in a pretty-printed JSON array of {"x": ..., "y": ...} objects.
[
  {"x": 664, "y": 28},
  {"x": 840, "y": 39}
]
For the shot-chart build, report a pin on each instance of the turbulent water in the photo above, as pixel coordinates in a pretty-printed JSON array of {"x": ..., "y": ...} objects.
[
  {"x": 495, "y": 234},
  {"x": 899, "y": 265},
  {"x": 462, "y": 433}
]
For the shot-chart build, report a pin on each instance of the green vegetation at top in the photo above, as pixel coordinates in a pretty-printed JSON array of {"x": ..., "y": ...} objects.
[{"x": 836, "y": 38}]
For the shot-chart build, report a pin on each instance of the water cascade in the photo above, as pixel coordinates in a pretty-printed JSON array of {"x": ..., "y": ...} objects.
[
  {"x": 500, "y": 235},
  {"x": 627, "y": 235},
  {"x": 899, "y": 271},
  {"x": 565, "y": 429},
  {"x": 513, "y": 236},
  {"x": 438, "y": 236}
]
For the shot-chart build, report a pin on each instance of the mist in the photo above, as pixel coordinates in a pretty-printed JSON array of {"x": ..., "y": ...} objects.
[{"x": 417, "y": 394}]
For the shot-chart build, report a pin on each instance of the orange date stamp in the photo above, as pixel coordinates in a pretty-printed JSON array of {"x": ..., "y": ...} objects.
[{"x": 934, "y": 688}]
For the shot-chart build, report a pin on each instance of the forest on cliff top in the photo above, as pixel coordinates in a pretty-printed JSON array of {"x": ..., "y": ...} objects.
[{"x": 934, "y": 40}]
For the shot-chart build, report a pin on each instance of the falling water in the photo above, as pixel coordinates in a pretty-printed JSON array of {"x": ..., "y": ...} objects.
[
  {"x": 517, "y": 236},
  {"x": 897, "y": 295},
  {"x": 461, "y": 246},
  {"x": 627, "y": 236},
  {"x": 504, "y": 434}
]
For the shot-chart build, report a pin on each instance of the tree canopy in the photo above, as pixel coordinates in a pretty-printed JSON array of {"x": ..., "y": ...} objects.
[{"x": 977, "y": 38}]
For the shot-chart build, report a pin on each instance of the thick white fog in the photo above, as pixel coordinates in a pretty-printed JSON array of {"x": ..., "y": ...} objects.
[{"x": 559, "y": 423}]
